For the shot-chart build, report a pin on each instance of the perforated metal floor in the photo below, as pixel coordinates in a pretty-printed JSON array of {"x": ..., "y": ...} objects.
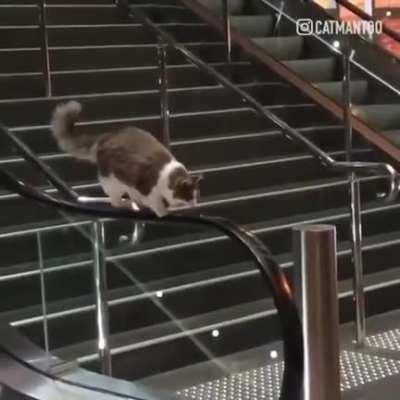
[
  {"x": 357, "y": 369},
  {"x": 389, "y": 340}
]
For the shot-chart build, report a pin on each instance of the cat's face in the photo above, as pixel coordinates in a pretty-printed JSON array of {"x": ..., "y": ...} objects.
[{"x": 185, "y": 192}]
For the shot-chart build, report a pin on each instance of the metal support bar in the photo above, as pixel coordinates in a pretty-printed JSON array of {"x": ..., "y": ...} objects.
[
  {"x": 45, "y": 47},
  {"x": 346, "y": 86},
  {"x": 356, "y": 242},
  {"x": 100, "y": 283},
  {"x": 316, "y": 293},
  {"x": 355, "y": 200},
  {"x": 227, "y": 22},
  {"x": 163, "y": 85},
  {"x": 279, "y": 16},
  {"x": 43, "y": 296}
]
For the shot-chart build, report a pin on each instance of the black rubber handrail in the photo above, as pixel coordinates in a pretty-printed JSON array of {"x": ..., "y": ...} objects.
[
  {"x": 270, "y": 270},
  {"x": 326, "y": 160}
]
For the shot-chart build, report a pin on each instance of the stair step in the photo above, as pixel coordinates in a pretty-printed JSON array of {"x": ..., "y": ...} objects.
[
  {"x": 101, "y": 34},
  {"x": 359, "y": 90},
  {"x": 385, "y": 117},
  {"x": 75, "y": 83},
  {"x": 253, "y": 25},
  {"x": 19, "y": 36},
  {"x": 282, "y": 47},
  {"x": 27, "y": 86},
  {"x": 21, "y": 86},
  {"x": 18, "y": 14},
  {"x": 317, "y": 69},
  {"x": 110, "y": 14},
  {"x": 393, "y": 135}
]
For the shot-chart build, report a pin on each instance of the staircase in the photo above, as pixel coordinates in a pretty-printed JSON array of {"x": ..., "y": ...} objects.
[
  {"x": 183, "y": 277},
  {"x": 373, "y": 77}
]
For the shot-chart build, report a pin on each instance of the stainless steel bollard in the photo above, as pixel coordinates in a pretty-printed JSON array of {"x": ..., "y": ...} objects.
[{"x": 315, "y": 277}]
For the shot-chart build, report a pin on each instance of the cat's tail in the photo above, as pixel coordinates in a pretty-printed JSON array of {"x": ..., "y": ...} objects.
[{"x": 69, "y": 138}]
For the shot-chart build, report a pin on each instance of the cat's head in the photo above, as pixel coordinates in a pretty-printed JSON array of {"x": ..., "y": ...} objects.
[{"x": 184, "y": 190}]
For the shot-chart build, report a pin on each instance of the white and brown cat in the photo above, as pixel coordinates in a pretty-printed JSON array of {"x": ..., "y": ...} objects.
[{"x": 131, "y": 162}]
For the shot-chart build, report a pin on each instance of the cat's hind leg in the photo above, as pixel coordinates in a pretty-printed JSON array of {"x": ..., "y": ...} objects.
[{"x": 114, "y": 190}]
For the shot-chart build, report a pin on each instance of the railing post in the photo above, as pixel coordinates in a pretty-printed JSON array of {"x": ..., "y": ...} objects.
[
  {"x": 227, "y": 21},
  {"x": 355, "y": 200},
  {"x": 163, "y": 86},
  {"x": 100, "y": 283},
  {"x": 43, "y": 296},
  {"x": 44, "y": 47},
  {"x": 315, "y": 277}
]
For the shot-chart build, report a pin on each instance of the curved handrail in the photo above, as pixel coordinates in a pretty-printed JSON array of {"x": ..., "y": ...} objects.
[
  {"x": 327, "y": 160},
  {"x": 268, "y": 267}
]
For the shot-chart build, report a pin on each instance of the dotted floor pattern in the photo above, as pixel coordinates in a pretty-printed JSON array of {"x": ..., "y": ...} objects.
[
  {"x": 357, "y": 369},
  {"x": 389, "y": 340}
]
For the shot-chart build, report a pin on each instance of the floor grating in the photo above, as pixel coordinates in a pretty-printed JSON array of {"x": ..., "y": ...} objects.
[{"x": 357, "y": 369}]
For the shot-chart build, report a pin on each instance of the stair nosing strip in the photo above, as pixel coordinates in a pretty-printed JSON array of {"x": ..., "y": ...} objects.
[
  {"x": 18, "y": 27},
  {"x": 250, "y": 135},
  {"x": 177, "y": 335},
  {"x": 156, "y": 116},
  {"x": 147, "y": 67},
  {"x": 118, "y": 46},
  {"x": 211, "y": 86},
  {"x": 126, "y": 25}
]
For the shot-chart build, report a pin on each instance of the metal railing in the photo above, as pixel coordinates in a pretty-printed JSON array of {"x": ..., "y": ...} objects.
[
  {"x": 268, "y": 267},
  {"x": 350, "y": 167},
  {"x": 44, "y": 47}
]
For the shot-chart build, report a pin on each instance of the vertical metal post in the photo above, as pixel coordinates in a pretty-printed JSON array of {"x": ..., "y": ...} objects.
[
  {"x": 100, "y": 283},
  {"x": 346, "y": 57},
  {"x": 369, "y": 6},
  {"x": 315, "y": 277},
  {"x": 43, "y": 296},
  {"x": 227, "y": 22},
  {"x": 44, "y": 47},
  {"x": 278, "y": 19},
  {"x": 355, "y": 202},
  {"x": 163, "y": 85}
]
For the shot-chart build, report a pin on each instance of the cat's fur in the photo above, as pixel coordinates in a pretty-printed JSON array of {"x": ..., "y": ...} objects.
[{"x": 131, "y": 162}]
